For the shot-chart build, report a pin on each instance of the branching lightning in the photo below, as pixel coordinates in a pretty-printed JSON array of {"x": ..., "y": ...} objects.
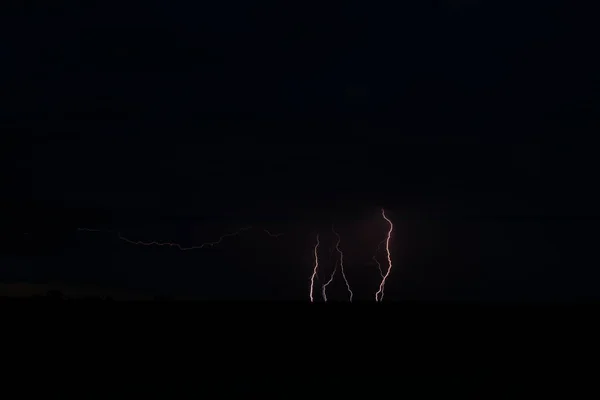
[
  {"x": 328, "y": 282},
  {"x": 376, "y": 261},
  {"x": 337, "y": 247},
  {"x": 380, "y": 292},
  {"x": 316, "y": 267},
  {"x": 339, "y": 262}
]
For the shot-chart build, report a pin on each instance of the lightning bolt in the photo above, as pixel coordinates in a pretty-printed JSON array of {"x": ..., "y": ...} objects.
[
  {"x": 337, "y": 247},
  {"x": 378, "y": 295},
  {"x": 316, "y": 267},
  {"x": 376, "y": 261},
  {"x": 328, "y": 282},
  {"x": 275, "y": 235},
  {"x": 177, "y": 245},
  {"x": 380, "y": 292}
]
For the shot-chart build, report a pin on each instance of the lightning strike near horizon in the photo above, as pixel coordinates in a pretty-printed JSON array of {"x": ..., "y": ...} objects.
[
  {"x": 337, "y": 247},
  {"x": 316, "y": 267},
  {"x": 380, "y": 292},
  {"x": 375, "y": 258},
  {"x": 324, "y": 288},
  {"x": 339, "y": 262}
]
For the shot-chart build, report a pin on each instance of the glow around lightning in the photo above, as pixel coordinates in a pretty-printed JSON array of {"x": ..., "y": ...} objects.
[
  {"x": 337, "y": 247},
  {"x": 315, "y": 270},
  {"x": 380, "y": 292}
]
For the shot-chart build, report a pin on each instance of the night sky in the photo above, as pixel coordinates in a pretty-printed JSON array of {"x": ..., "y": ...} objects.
[{"x": 471, "y": 123}]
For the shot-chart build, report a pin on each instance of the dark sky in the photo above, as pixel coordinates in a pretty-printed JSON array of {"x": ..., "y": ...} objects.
[{"x": 470, "y": 122}]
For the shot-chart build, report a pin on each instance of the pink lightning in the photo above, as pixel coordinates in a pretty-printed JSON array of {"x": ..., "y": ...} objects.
[
  {"x": 275, "y": 235},
  {"x": 176, "y": 245},
  {"x": 380, "y": 292},
  {"x": 328, "y": 282},
  {"x": 337, "y": 247},
  {"x": 179, "y": 246},
  {"x": 378, "y": 295},
  {"x": 314, "y": 274}
]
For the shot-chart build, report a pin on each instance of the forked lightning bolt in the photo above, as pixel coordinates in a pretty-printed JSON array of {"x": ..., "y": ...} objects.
[
  {"x": 328, "y": 282},
  {"x": 380, "y": 292},
  {"x": 315, "y": 268},
  {"x": 378, "y": 295},
  {"x": 337, "y": 247},
  {"x": 376, "y": 261}
]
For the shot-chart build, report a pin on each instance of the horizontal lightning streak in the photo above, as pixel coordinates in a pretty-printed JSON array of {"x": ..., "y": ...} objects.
[
  {"x": 275, "y": 235},
  {"x": 177, "y": 245}
]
